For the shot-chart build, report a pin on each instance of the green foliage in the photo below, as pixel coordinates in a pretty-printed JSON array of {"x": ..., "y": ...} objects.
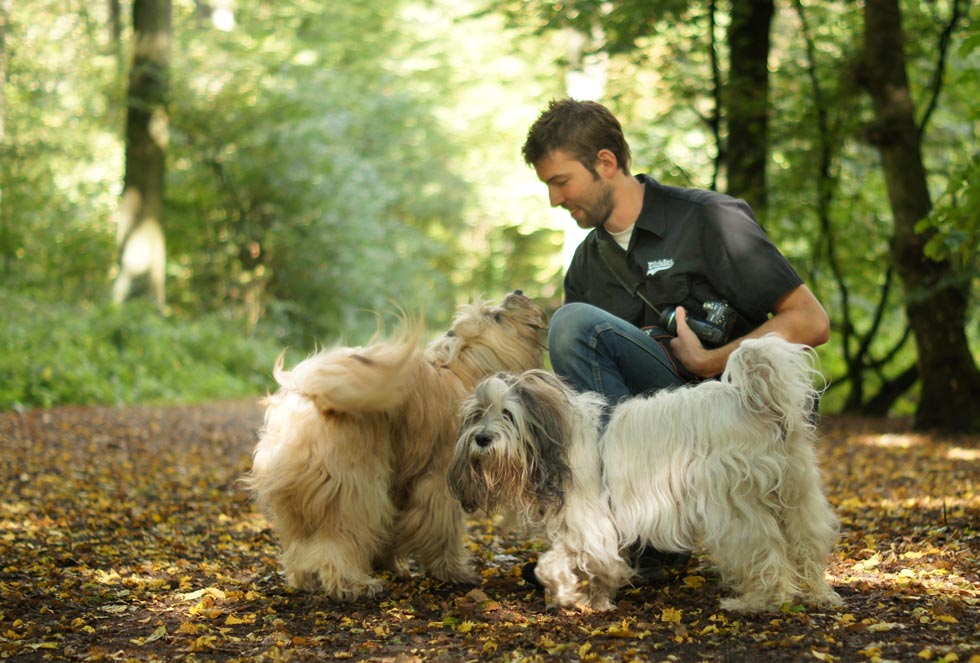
[
  {"x": 53, "y": 354},
  {"x": 58, "y": 159},
  {"x": 330, "y": 160},
  {"x": 954, "y": 225},
  {"x": 326, "y": 183}
]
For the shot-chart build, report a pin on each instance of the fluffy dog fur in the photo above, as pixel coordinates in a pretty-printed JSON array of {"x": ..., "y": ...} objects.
[
  {"x": 351, "y": 463},
  {"x": 727, "y": 463}
]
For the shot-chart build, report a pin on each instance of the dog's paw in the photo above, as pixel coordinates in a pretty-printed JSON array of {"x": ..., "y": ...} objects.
[
  {"x": 598, "y": 604},
  {"x": 455, "y": 573},
  {"x": 751, "y": 604},
  {"x": 305, "y": 581},
  {"x": 339, "y": 588},
  {"x": 827, "y": 598},
  {"x": 355, "y": 591}
]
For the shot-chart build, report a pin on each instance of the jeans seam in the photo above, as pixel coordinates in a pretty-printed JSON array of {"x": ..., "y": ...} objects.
[{"x": 605, "y": 327}]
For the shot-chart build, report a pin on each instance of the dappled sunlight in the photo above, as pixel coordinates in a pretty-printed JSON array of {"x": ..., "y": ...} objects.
[
  {"x": 960, "y": 453},
  {"x": 888, "y": 441},
  {"x": 156, "y": 552}
]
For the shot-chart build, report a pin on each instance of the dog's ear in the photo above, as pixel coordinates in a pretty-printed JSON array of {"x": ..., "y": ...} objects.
[{"x": 547, "y": 432}]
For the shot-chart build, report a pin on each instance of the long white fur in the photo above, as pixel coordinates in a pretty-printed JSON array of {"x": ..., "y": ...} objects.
[
  {"x": 351, "y": 463},
  {"x": 728, "y": 465}
]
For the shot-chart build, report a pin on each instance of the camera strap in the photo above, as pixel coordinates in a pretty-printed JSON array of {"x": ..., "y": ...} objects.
[{"x": 615, "y": 260}]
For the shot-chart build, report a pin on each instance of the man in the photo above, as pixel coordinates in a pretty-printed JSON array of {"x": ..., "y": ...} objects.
[{"x": 674, "y": 248}]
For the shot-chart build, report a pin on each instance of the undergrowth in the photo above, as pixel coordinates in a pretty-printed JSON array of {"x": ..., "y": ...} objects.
[{"x": 83, "y": 354}]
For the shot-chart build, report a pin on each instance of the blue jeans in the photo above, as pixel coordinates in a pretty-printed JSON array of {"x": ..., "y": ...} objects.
[{"x": 596, "y": 351}]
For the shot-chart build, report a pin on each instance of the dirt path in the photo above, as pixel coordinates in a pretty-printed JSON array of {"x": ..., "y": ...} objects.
[{"x": 124, "y": 535}]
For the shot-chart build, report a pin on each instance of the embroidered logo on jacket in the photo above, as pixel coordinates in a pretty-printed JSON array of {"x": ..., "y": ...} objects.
[{"x": 654, "y": 266}]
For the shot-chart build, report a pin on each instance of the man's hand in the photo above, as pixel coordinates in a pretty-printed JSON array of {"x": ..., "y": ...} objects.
[
  {"x": 688, "y": 350},
  {"x": 797, "y": 316}
]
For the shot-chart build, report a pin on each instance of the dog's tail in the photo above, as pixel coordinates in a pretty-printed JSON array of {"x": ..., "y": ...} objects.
[
  {"x": 342, "y": 380},
  {"x": 777, "y": 379}
]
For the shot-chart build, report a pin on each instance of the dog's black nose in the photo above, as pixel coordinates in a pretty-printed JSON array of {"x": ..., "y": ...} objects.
[
  {"x": 518, "y": 292},
  {"x": 483, "y": 440}
]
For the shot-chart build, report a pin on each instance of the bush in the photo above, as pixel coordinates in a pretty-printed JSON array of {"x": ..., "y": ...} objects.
[{"x": 57, "y": 354}]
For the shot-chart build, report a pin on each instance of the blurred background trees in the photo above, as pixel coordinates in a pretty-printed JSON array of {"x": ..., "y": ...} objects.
[{"x": 326, "y": 161}]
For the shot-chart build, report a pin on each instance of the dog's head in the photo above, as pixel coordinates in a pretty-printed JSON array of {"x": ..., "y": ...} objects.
[
  {"x": 511, "y": 447},
  {"x": 485, "y": 338}
]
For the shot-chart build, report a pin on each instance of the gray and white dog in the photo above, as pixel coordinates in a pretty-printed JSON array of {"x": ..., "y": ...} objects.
[{"x": 727, "y": 464}]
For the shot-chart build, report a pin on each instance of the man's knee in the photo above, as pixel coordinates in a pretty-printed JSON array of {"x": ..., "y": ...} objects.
[{"x": 571, "y": 324}]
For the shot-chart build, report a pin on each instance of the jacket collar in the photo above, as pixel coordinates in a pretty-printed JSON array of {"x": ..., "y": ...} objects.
[{"x": 652, "y": 215}]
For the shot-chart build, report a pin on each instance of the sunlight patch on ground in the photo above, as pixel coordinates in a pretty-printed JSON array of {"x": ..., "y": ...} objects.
[
  {"x": 959, "y": 453},
  {"x": 889, "y": 440}
]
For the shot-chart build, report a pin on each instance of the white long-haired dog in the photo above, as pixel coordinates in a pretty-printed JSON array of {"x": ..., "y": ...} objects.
[
  {"x": 727, "y": 463},
  {"x": 352, "y": 460}
]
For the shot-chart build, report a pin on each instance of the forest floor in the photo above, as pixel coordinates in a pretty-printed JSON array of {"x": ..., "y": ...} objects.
[{"x": 125, "y": 535}]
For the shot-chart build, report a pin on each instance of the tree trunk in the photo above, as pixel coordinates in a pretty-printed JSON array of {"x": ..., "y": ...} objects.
[
  {"x": 140, "y": 236},
  {"x": 747, "y": 100},
  {"x": 935, "y": 295},
  {"x": 115, "y": 32},
  {"x": 5, "y": 234}
]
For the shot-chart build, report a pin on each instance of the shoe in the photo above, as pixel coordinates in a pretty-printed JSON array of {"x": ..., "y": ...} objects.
[
  {"x": 527, "y": 573},
  {"x": 653, "y": 565}
]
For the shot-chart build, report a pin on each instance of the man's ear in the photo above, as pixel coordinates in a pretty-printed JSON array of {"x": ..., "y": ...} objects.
[{"x": 606, "y": 163}]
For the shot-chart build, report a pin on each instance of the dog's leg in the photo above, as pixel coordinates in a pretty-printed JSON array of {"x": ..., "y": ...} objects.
[
  {"x": 568, "y": 586},
  {"x": 811, "y": 529},
  {"x": 337, "y": 567},
  {"x": 331, "y": 535},
  {"x": 431, "y": 529},
  {"x": 747, "y": 543}
]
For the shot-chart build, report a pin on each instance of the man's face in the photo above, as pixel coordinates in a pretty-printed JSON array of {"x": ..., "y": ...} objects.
[{"x": 570, "y": 185}]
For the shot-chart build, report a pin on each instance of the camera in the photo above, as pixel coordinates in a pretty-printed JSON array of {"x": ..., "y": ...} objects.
[{"x": 713, "y": 330}]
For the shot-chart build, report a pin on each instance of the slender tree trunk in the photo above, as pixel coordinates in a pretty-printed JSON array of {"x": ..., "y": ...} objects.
[
  {"x": 140, "y": 235},
  {"x": 935, "y": 295},
  {"x": 115, "y": 32},
  {"x": 748, "y": 101},
  {"x": 5, "y": 7}
]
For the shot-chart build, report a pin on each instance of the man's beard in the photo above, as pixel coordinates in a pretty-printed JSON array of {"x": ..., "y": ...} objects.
[{"x": 597, "y": 213}]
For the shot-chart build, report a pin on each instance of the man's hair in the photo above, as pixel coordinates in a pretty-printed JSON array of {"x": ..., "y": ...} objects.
[{"x": 581, "y": 128}]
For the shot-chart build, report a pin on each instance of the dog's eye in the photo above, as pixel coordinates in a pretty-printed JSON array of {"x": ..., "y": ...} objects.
[
  {"x": 508, "y": 415},
  {"x": 497, "y": 317}
]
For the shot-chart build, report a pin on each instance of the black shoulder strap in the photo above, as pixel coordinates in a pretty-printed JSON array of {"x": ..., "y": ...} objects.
[{"x": 616, "y": 262}]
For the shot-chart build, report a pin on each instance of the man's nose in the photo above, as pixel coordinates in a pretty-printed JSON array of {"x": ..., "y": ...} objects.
[{"x": 555, "y": 197}]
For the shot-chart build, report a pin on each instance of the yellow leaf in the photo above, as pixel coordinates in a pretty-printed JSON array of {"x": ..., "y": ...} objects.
[
  {"x": 232, "y": 620},
  {"x": 158, "y": 633},
  {"x": 188, "y": 628},
  {"x": 869, "y": 563},
  {"x": 822, "y": 656},
  {"x": 926, "y": 654},
  {"x": 671, "y": 615},
  {"x": 694, "y": 581},
  {"x": 465, "y": 626}
]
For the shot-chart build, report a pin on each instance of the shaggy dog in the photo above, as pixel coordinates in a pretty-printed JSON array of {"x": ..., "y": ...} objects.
[
  {"x": 351, "y": 463},
  {"x": 729, "y": 463}
]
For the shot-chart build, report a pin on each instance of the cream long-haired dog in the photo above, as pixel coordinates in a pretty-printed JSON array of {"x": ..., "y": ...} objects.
[
  {"x": 727, "y": 463},
  {"x": 352, "y": 460}
]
